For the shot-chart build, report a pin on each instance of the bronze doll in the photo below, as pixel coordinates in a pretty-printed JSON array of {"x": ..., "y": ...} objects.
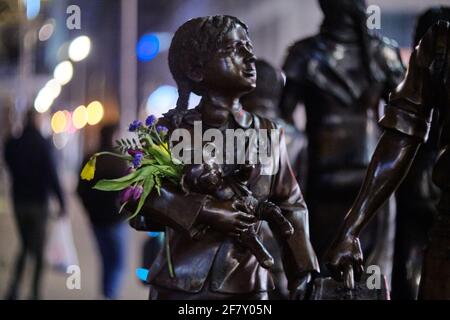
[{"x": 213, "y": 57}]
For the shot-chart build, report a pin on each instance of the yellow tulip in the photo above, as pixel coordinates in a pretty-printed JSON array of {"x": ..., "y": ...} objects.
[
  {"x": 88, "y": 171},
  {"x": 160, "y": 153},
  {"x": 164, "y": 149}
]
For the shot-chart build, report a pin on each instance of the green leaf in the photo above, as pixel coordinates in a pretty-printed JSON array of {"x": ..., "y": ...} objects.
[
  {"x": 158, "y": 184},
  {"x": 110, "y": 185},
  {"x": 123, "y": 182}
]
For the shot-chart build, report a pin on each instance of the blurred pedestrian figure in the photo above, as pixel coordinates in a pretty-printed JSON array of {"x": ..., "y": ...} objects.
[
  {"x": 103, "y": 209},
  {"x": 34, "y": 177}
]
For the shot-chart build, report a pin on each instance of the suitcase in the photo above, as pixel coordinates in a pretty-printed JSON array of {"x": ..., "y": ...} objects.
[{"x": 329, "y": 289}]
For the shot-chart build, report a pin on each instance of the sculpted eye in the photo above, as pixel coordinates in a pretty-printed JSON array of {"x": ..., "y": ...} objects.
[{"x": 231, "y": 48}]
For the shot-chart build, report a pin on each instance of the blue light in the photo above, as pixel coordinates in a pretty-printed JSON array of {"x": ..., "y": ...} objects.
[
  {"x": 154, "y": 234},
  {"x": 33, "y": 8},
  {"x": 161, "y": 100},
  {"x": 147, "y": 47},
  {"x": 142, "y": 273},
  {"x": 165, "y": 98}
]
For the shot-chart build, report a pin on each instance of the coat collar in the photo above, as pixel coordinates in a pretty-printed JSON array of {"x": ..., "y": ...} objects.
[{"x": 219, "y": 118}]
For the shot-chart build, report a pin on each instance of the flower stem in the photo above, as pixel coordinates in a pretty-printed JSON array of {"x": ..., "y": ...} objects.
[
  {"x": 168, "y": 255},
  {"x": 121, "y": 156}
]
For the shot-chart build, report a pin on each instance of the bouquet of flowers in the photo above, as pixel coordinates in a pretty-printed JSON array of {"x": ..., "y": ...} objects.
[{"x": 150, "y": 162}]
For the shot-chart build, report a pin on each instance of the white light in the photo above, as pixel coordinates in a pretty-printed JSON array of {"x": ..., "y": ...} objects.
[
  {"x": 165, "y": 98},
  {"x": 46, "y": 31},
  {"x": 165, "y": 38},
  {"x": 43, "y": 101},
  {"x": 79, "y": 48},
  {"x": 60, "y": 140},
  {"x": 54, "y": 88},
  {"x": 63, "y": 72},
  {"x": 47, "y": 93},
  {"x": 194, "y": 100},
  {"x": 63, "y": 51},
  {"x": 161, "y": 100}
]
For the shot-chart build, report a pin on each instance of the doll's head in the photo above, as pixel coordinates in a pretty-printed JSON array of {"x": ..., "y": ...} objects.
[
  {"x": 212, "y": 54},
  {"x": 206, "y": 178}
]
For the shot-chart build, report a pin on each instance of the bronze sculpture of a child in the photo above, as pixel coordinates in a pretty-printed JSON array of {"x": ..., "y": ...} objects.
[{"x": 213, "y": 57}]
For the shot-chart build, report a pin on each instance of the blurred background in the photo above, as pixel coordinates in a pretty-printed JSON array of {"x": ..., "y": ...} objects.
[{"x": 84, "y": 64}]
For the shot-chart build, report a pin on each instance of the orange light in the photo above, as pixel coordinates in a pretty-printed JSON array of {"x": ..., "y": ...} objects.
[
  {"x": 59, "y": 122},
  {"x": 95, "y": 112},
  {"x": 79, "y": 117}
]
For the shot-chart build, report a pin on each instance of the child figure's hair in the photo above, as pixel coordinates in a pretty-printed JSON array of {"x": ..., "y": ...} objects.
[{"x": 193, "y": 45}]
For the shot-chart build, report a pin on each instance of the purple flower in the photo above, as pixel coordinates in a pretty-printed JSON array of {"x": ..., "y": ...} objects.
[
  {"x": 137, "y": 192},
  {"x": 162, "y": 130},
  {"x": 136, "y": 124},
  {"x": 150, "y": 121},
  {"x": 133, "y": 152},
  {"x": 137, "y": 159},
  {"x": 126, "y": 194}
]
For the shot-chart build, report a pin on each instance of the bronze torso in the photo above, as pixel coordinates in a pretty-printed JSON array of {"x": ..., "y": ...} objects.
[
  {"x": 341, "y": 101},
  {"x": 341, "y": 92},
  {"x": 202, "y": 256}
]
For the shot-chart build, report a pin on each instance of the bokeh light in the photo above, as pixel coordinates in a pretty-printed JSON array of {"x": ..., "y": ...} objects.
[
  {"x": 63, "y": 51},
  {"x": 63, "y": 72},
  {"x": 59, "y": 122},
  {"x": 194, "y": 100},
  {"x": 69, "y": 127},
  {"x": 60, "y": 140},
  {"x": 32, "y": 7},
  {"x": 94, "y": 112},
  {"x": 46, "y": 31},
  {"x": 147, "y": 47},
  {"x": 53, "y": 87},
  {"x": 161, "y": 100},
  {"x": 79, "y": 48},
  {"x": 80, "y": 117},
  {"x": 165, "y": 98},
  {"x": 43, "y": 101}
]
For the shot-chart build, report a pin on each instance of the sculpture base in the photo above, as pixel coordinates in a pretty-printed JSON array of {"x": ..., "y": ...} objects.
[{"x": 329, "y": 289}]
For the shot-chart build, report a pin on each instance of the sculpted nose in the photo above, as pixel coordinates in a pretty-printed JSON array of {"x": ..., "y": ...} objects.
[{"x": 251, "y": 58}]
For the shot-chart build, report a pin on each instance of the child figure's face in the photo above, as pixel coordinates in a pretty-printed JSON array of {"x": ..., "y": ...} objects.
[{"x": 232, "y": 70}]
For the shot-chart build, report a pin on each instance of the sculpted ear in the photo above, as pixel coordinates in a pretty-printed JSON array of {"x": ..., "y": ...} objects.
[{"x": 195, "y": 74}]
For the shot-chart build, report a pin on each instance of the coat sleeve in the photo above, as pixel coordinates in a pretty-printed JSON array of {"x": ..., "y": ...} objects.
[
  {"x": 174, "y": 209},
  {"x": 297, "y": 252}
]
